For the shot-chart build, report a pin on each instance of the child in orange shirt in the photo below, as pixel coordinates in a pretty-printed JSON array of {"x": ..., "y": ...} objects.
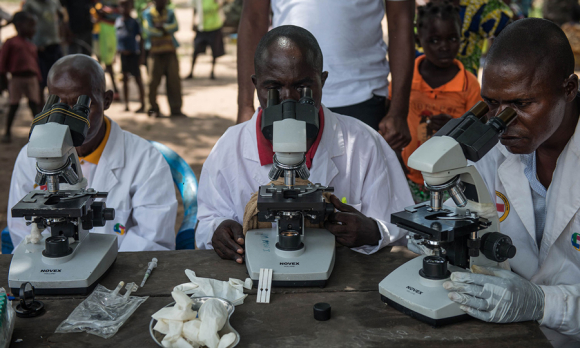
[{"x": 442, "y": 89}]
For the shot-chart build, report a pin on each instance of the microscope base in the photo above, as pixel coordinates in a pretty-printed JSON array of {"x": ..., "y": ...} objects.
[
  {"x": 77, "y": 273},
  {"x": 426, "y": 300},
  {"x": 309, "y": 268}
]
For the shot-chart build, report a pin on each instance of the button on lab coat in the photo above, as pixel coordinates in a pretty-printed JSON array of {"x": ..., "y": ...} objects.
[
  {"x": 555, "y": 265},
  {"x": 351, "y": 157},
  {"x": 140, "y": 187}
]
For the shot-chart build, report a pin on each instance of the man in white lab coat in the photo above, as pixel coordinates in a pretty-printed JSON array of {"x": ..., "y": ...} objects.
[
  {"x": 131, "y": 170},
  {"x": 346, "y": 154},
  {"x": 534, "y": 177}
]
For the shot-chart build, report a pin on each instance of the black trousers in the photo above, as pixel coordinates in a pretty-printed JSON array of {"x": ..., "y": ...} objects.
[{"x": 370, "y": 111}]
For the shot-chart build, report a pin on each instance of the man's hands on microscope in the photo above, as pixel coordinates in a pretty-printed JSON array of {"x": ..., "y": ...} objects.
[
  {"x": 351, "y": 227},
  {"x": 228, "y": 241}
]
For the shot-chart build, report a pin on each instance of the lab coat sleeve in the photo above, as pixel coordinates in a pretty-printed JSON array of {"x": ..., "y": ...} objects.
[
  {"x": 385, "y": 191},
  {"x": 562, "y": 309},
  {"x": 22, "y": 182},
  {"x": 154, "y": 208},
  {"x": 213, "y": 199}
]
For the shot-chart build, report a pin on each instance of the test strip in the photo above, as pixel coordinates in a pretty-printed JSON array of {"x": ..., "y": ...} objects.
[{"x": 264, "y": 285}]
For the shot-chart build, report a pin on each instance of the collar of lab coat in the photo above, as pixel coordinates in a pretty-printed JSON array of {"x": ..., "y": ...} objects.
[
  {"x": 331, "y": 145},
  {"x": 562, "y": 202},
  {"x": 113, "y": 157}
]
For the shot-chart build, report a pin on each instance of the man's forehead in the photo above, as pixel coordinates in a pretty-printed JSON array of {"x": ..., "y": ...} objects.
[
  {"x": 515, "y": 78},
  {"x": 72, "y": 82}
]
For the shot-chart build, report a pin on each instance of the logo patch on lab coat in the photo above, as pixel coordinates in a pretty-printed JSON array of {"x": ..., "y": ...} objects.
[
  {"x": 43, "y": 187},
  {"x": 502, "y": 205},
  {"x": 120, "y": 229},
  {"x": 576, "y": 241}
]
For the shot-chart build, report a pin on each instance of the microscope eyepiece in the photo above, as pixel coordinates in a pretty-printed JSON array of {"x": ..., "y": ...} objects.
[
  {"x": 273, "y": 97},
  {"x": 479, "y": 110},
  {"x": 306, "y": 96},
  {"x": 503, "y": 120},
  {"x": 52, "y": 99}
]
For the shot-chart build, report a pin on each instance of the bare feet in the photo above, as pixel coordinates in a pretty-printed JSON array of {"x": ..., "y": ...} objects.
[{"x": 141, "y": 110}]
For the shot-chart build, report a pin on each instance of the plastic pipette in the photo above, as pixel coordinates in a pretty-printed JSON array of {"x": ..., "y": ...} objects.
[{"x": 150, "y": 267}]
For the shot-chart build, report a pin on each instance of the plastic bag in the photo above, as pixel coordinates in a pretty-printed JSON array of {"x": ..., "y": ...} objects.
[
  {"x": 101, "y": 314},
  {"x": 7, "y": 319}
]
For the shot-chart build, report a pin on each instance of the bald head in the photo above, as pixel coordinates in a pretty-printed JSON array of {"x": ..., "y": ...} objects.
[
  {"x": 283, "y": 37},
  {"x": 82, "y": 68},
  {"x": 538, "y": 45}
]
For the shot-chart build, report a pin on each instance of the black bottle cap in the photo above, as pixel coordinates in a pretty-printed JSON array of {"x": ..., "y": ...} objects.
[
  {"x": 28, "y": 307},
  {"x": 322, "y": 311}
]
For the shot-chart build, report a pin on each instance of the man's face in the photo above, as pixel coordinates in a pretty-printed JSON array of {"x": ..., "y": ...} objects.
[
  {"x": 539, "y": 100},
  {"x": 288, "y": 70},
  {"x": 69, "y": 87}
]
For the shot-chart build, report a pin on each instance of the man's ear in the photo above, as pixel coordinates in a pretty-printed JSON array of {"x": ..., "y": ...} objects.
[
  {"x": 323, "y": 77},
  {"x": 255, "y": 81},
  {"x": 571, "y": 87},
  {"x": 107, "y": 100}
]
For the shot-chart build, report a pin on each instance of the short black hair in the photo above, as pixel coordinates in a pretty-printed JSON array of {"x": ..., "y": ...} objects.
[
  {"x": 22, "y": 17},
  {"x": 300, "y": 36},
  {"x": 534, "y": 41},
  {"x": 444, "y": 10}
]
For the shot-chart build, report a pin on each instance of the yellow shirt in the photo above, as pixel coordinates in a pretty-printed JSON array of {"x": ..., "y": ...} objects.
[{"x": 96, "y": 155}]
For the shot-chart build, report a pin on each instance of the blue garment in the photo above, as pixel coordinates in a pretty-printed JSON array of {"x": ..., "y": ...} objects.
[
  {"x": 158, "y": 41},
  {"x": 539, "y": 194},
  {"x": 127, "y": 31}
]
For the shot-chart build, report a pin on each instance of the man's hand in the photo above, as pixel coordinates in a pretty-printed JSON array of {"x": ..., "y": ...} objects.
[
  {"x": 496, "y": 295},
  {"x": 245, "y": 113},
  {"x": 228, "y": 241},
  {"x": 436, "y": 122},
  {"x": 351, "y": 228},
  {"x": 395, "y": 130}
]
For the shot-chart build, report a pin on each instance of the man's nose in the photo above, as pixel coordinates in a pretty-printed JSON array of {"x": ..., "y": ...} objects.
[{"x": 289, "y": 93}]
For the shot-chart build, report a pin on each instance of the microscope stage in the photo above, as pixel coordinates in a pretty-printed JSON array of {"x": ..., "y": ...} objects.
[{"x": 311, "y": 268}]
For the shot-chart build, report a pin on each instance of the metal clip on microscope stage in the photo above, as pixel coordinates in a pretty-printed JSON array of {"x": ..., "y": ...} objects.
[
  {"x": 69, "y": 259},
  {"x": 299, "y": 256},
  {"x": 460, "y": 236}
]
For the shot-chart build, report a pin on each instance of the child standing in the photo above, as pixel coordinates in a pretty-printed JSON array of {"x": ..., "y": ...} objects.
[
  {"x": 442, "y": 89},
  {"x": 159, "y": 23},
  {"x": 128, "y": 30},
  {"x": 20, "y": 58}
]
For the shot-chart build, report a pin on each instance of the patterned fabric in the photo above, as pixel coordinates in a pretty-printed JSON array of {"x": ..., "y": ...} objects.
[
  {"x": 160, "y": 41},
  {"x": 481, "y": 20}
]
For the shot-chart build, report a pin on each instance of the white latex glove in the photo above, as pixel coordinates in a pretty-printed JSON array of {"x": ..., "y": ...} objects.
[
  {"x": 226, "y": 340},
  {"x": 213, "y": 316},
  {"x": 412, "y": 244},
  {"x": 35, "y": 234},
  {"x": 497, "y": 296},
  {"x": 191, "y": 332},
  {"x": 232, "y": 290}
]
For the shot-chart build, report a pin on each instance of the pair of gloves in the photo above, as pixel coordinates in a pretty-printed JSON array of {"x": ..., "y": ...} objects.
[{"x": 493, "y": 294}]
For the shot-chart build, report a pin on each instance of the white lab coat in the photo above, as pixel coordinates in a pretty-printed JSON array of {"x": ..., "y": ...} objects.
[
  {"x": 351, "y": 157},
  {"x": 556, "y": 265},
  {"x": 140, "y": 187}
]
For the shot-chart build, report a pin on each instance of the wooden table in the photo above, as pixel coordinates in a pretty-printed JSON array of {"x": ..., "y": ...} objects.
[{"x": 359, "y": 318}]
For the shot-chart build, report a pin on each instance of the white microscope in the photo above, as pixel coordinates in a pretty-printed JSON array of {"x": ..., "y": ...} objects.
[
  {"x": 298, "y": 256},
  {"x": 69, "y": 259},
  {"x": 460, "y": 236}
]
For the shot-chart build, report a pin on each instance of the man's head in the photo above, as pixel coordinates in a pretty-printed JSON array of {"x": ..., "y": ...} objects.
[
  {"x": 76, "y": 75},
  {"x": 438, "y": 32},
  {"x": 160, "y": 4},
  {"x": 530, "y": 68},
  {"x": 288, "y": 58},
  {"x": 25, "y": 24},
  {"x": 125, "y": 7}
]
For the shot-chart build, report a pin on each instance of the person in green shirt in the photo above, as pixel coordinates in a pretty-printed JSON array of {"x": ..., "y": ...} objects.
[{"x": 208, "y": 32}]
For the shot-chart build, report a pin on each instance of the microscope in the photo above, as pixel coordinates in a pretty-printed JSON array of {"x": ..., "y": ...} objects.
[
  {"x": 69, "y": 259},
  {"x": 297, "y": 255},
  {"x": 460, "y": 236}
]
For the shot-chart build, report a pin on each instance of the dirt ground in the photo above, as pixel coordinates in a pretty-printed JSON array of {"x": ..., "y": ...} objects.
[{"x": 210, "y": 105}]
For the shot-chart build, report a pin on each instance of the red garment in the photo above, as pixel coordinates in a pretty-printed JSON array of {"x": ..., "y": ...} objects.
[
  {"x": 19, "y": 55},
  {"x": 265, "y": 147}
]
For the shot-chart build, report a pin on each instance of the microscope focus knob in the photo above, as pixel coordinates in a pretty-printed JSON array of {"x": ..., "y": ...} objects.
[
  {"x": 101, "y": 213},
  {"x": 497, "y": 246}
]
